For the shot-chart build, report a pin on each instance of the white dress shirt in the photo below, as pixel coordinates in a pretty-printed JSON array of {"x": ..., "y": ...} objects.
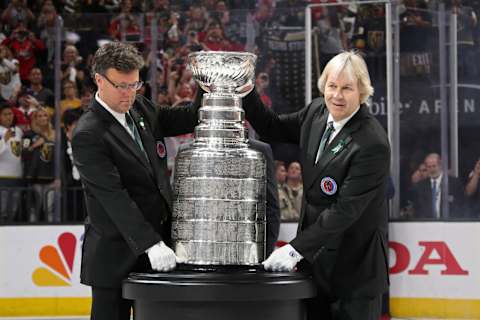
[
  {"x": 117, "y": 115},
  {"x": 438, "y": 181},
  {"x": 338, "y": 125}
]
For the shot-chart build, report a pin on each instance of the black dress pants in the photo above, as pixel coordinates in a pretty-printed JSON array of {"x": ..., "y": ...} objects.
[
  {"x": 320, "y": 308},
  {"x": 108, "y": 304}
]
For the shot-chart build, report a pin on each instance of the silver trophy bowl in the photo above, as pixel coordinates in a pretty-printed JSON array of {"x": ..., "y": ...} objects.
[
  {"x": 219, "y": 183},
  {"x": 223, "y": 71}
]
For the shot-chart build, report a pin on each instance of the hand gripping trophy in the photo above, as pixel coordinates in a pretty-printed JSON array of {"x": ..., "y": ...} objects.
[{"x": 219, "y": 186}]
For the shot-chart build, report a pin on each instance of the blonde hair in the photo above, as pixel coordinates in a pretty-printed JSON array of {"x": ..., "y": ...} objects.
[
  {"x": 352, "y": 65},
  {"x": 49, "y": 132}
]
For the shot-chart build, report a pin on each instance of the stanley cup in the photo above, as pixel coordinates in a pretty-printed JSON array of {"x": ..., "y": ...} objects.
[{"x": 219, "y": 186}]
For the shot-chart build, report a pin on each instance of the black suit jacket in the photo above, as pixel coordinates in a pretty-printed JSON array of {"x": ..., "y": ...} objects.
[
  {"x": 128, "y": 195},
  {"x": 272, "y": 210},
  {"x": 342, "y": 233},
  {"x": 422, "y": 199}
]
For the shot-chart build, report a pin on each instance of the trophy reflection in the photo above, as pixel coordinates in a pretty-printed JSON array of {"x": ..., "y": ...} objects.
[{"x": 219, "y": 186}]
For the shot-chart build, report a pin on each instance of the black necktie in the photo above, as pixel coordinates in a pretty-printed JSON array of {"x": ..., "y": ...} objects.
[
  {"x": 133, "y": 129},
  {"x": 325, "y": 138}
]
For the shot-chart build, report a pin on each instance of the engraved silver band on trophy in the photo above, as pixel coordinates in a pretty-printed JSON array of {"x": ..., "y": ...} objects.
[{"x": 219, "y": 186}]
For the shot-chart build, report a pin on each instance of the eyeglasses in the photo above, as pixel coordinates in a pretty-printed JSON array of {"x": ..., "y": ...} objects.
[{"x": 125, "y": 86}]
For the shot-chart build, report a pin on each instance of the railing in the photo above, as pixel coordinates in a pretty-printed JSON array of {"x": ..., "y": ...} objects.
[{"x": 36, "y": 205}]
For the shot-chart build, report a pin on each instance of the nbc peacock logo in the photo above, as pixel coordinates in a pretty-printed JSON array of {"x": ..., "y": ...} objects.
[{"x": 58, "y": 262}]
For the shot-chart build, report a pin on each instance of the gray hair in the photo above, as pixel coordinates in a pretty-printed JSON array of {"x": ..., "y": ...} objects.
[
  {"x": 121, "y": 56},
  {"x": 352, "y": 65}
]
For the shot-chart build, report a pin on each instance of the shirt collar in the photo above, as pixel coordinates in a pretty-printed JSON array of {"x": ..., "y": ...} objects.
[
  {"x": 117, "y": 115},
  {"x": 338, "y": 125},
  {"x": 437, "y": 179}
]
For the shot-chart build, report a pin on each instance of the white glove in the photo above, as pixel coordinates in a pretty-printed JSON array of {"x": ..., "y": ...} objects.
[
  {"x": 162, "y": 258},
  {"x": 282, "y": 259}
]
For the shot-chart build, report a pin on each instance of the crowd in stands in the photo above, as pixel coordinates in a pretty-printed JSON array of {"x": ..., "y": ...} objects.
[{"x": 30, "y": 176}]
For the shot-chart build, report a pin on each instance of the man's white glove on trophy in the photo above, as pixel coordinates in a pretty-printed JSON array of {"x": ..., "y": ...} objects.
[
  {"x": 282, "y": 259},
  {"x": 162, "y": 258}
]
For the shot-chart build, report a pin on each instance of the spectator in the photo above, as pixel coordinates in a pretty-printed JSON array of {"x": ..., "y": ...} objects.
[
  {"x": 160, "y": 5},
  {"x": 43, "y": 95},
  {"x": 261, "y": 85},
  {"x": 288, "y": 12},
  {"x": 415, "y": 34},
  {"x": 174, "y": 32},
  {"x": 221, "y": 13},
  {"x": 72, "y": 67},
  {"x": 162, "y": 97},
  {"x": 280, "y": 172},
  {"x": 10, "y": 84},
  {"x": 25, "y": 47},
  {"x": 412, "y": 22},
  {"x": 420, "y": 174},
  {"x": 472, "y": 192},
  {"x": 46, "y": 23},
  {"x": 71, "y": 184},
  {"x": 26, "y": 106},
  {"x": 466, "y": 23},
  {"x": 163, "y": 17},
  {"x": 19, "y": 118},
  {"x": 180, "y": 84},
  {"x": 287, "y": 210},
  {"x": 17, "y": 12},
  {"x": 70, "y": 97},
  {"x": 193, "y": 43},
  {"x": 427, "y": 194},
  {"x": 214, "y": 39},
  {"x": 185, "y": 92},
  {"x": 264, "y": 11},
  {"x": 209, "y": 5},
  {"x": 10, "y": 164},
  {"x": 197, "y": 18},
  {"x": 370, "y": 38},
  {"x": 125, "y": 25},
  {"x": 332, "y": 37},
  {"x": 370, "y": 31},
  {"x": 294, "y": 187},
  {"x": 38, "y": 166},
  {"x": 86, "y": 98}
]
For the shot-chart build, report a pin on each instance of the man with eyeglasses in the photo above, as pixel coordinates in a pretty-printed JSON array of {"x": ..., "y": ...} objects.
[{"x": 119, "y": 150}]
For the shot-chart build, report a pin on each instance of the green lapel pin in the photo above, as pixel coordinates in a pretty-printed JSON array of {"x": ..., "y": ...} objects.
[
  {"x": 338, "y": 147},
  {"x": 142, "y": 124}
]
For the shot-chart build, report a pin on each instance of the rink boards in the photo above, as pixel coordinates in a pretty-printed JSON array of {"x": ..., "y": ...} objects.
[{"x": 434, "y": 270}]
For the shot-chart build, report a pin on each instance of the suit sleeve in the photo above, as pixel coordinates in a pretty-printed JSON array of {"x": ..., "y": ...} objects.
[
  {"x": 182, "y": 119},
  {"x": 101, "y": 178},
  {"x": 273, "y": 211},
  {"x": 270, "y": 126},
  {"x": 366, "y": 174}
]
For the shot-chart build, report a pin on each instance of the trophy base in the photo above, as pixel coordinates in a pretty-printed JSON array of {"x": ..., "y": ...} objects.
[
  {"x": 220, "y": 268},
  {"x": 219, "y": 295}
]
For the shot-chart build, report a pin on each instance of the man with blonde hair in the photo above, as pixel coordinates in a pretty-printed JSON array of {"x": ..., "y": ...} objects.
[{"x": 345, "y": 158}]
